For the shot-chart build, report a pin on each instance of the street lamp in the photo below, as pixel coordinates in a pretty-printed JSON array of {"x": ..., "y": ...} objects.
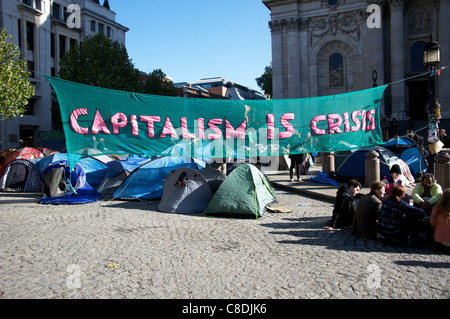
[
  {"x": 431, "y": 59},
  {"x": 374, "y": 77}
]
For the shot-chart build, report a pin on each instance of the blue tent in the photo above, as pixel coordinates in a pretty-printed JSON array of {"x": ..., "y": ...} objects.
[
  {"x": 95, "y": 169},
  {"x": 409, "y": 151},
  {"x": 146, "y": 182},
  {"x": 117, "y": 172},
  {"x": 77, "y": 189},
  {"x": 415, "y": 160},
  {"x": 355, "y": 165}
]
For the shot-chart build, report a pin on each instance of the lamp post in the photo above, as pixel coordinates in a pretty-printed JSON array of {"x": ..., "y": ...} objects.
[
  {"x": 374, "y": 77},
  {"x": 431, "y": 59}
]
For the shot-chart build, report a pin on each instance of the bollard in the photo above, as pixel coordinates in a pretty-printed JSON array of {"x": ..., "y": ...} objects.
[
  {"x": 442, "y": 170},
  {"x": 328, "y": 163},
  {"x": 372, "y": 168}
]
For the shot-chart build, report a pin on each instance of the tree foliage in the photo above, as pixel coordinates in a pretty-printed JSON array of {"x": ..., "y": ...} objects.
[
  {"x": 265, "y": 81},
  {"x": 100, "y": 62},
  {"x": 15, "y": 87},
  {"x": 158, "y": 83}
]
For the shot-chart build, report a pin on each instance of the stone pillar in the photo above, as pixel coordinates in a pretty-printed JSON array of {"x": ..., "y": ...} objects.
[
  {"x": 372, "y": 168},
  {"x": 276, "y": 28},
  {"x": 328, "y": 163},
  {"x": 303, "y": 59},
  {"x": 397, "y": 57},
  {"x": 443, "y": 37},
  {"x": 442, "y": 170},
  {"x": 293, "y": 58}
]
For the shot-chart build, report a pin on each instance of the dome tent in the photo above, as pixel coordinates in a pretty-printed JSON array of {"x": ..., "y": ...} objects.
[
  {"x": 185, "y": 191},
  {"x": 20, "y": 176},
  {"x": 146, "y": 182},
  {"x": 244, "y": 193}
]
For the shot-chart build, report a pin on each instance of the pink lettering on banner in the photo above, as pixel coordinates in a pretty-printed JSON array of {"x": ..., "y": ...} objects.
[
  {"x": 363, "y": 118},
  {"x": 74, "y": 121},
  {"x": 134, "y": 125},
  {"x": 346, "y": 123},
  {"x": 334, "y": 123},
  {"x": 288, "y": 126},
  {"x": 356, "y": 121},
  {"x": 270, "y": 127},
  {"x": 314, "y": 122},
  {"x": 99, "y": 124},
  {"x": 218, "y": 132},
  {"x": 150, "y": 123},
  {"x": 119, "y": 120},
  {"x": 168, "y": 129},
  {"x": 231, "y": 133},
  {"x": 201, "y": 128},
  {"x": 370, "y": 115},
  {"x": 184, "y": 129}
]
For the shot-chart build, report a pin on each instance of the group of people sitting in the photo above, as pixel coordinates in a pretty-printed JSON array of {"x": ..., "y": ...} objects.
[{"x": 384, "y": 213}]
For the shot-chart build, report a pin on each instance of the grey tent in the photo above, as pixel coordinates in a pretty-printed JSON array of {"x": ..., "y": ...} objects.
[
  {"x": 214, "y": 177},
  {"x": 185, "y": 191}
]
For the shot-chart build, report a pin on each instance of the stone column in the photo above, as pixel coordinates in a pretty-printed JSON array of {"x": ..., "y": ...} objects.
[
  {"x": 442, "y": 170},
  {"x": 293, "y": 58},
  {"x": 372, "y": 168},
  {"x": 304, "y": 58},
  {"x": 443, "y": 93},
  {"x": 397, "y": 57},
  {"x": 276, "y": 28}
]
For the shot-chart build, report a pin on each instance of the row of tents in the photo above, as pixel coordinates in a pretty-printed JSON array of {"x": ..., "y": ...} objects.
[{"x": 181, "y": 185}]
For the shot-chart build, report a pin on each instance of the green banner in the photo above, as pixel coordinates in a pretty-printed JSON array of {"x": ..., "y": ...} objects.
[{"x": 103, "y": 121}]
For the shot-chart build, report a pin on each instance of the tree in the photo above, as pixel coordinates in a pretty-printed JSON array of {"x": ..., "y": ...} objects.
[
  {"x": 15, "y": 87},
  {"x": 100, "y": 62},
  {"x": 265, "y": 81},
  {"x": 158, "y": 83}
]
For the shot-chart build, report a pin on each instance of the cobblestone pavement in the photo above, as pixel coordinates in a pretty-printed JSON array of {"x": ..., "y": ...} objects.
[{"x": 125, "y": 249}]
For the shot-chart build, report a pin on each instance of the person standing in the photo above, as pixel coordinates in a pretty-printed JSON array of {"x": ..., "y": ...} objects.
[
  {"x": 344, "y": 206},
  {"x": 393, "y": 127},
  {"x": 369, "y": 205},
  {"x": 445, "y": 139},
  {"x": 384, "y": 123},
  {"x": 297, "y": 160}
]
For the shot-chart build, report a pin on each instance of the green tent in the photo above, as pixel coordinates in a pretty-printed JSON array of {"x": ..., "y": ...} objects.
[{"x": 244, "y": 193}]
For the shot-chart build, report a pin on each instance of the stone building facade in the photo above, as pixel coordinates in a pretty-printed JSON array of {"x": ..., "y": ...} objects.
[
  {"x": 322, "y": 47},
  {"x": 44, "y": 30}
]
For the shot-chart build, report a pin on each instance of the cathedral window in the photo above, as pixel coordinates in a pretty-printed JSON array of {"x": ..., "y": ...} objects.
[{"x": 336, "y": 70}]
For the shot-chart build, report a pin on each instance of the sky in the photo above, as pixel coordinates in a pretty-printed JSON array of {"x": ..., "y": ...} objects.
[{"x": 194, "y": 39}]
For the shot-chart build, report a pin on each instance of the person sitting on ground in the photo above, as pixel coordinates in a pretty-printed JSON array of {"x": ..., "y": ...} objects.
[
  {"x": 367, "y": 210},
  {"x": 344, "y": 206},
  {"x": 440, "y": 221},
  {"x": 426, "y": 193},
  {"x": 399, "y": 221},
  {"x": 394, "y": 178}
]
